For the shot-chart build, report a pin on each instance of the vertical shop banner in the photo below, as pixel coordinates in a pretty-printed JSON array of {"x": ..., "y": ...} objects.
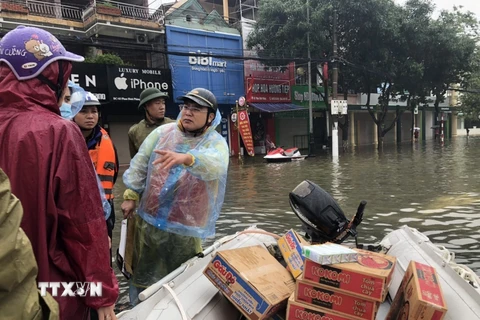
[
  {"x": 224, "y": 129},
  {"x": 246, "y": 131}
]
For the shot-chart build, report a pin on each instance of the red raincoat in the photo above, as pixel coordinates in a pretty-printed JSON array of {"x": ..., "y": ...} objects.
[{"x": 51, "y": 173}]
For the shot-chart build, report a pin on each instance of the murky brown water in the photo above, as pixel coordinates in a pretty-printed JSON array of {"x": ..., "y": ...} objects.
[{"x": 428, "y": 187}]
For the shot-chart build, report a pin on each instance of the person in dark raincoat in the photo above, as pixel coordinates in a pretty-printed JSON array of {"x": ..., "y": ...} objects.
[{"x": 51, "y": 172}]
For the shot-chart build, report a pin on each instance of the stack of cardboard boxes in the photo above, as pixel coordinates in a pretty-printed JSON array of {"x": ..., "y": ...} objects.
[
  {"x": 259, "y": 286},
  {"x": 350, "y": 290}
]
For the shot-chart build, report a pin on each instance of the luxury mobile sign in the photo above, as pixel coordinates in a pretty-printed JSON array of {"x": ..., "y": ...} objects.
[
  {"x": 136, "y": 80},
  {"x": 119, "y": 83}
]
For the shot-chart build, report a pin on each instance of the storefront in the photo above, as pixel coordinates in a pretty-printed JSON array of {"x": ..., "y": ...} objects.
[
  {"x": 118, "y": 88},
  {"x": 299, "y": 121},
  {"x": 202, "y": 59},
  {"x": 268, "y": 94}
]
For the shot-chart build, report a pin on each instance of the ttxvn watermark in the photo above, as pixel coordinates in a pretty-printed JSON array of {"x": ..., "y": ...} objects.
[{"x": 71, "y": 289}]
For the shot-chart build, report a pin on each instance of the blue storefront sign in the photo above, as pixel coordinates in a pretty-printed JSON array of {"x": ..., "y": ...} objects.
[{"x": 193, "y": 66}]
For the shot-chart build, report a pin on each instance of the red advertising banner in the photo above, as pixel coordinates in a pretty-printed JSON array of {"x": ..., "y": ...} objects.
[
  {"x": 261, "y": 90},
  {"x": 257, "y": 70},
  {"x": 246, "y": 131},
  {"x": 268, "y": 84}
]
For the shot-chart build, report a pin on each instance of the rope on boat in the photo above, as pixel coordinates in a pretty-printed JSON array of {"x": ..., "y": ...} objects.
[
  {"x": 177, "y": 301},
  {"x": 246, "y": 231},
  {"x": 273, "y": 235},
  {"x": 448, "y": 257},
  {"x": 463, "y": 271}
]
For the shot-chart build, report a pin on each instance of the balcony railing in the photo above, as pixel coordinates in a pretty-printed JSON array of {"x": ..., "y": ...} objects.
[
  {"x": 66, "y": 12},
  {"x": 129, "y": 10},
  {"x": 54, "y": 10}
]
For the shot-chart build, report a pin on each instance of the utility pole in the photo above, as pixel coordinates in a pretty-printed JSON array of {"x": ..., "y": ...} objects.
[
  {"x": 310, "y": 109},
  {"x": 335, "y": 86}
]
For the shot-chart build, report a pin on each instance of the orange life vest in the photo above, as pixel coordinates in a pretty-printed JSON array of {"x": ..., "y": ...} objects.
[{"x": 103, "y": 158}]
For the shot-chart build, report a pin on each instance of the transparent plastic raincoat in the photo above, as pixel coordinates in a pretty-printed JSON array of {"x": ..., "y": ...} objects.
[{"x": 186, "y": 200}]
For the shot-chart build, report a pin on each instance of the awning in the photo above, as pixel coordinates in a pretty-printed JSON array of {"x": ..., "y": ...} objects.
[{"x": 277, "y": 107}]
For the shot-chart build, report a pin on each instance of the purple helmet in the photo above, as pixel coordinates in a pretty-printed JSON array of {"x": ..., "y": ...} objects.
[{"x": 28, "y": 51}]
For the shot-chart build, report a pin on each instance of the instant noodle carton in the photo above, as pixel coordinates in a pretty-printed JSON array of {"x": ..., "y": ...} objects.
[
  {"x": 252, "y": 279},
  {"x": 300, "y": 311},
  {"x": 290, "y": 246},
  {"x": 419, "y": 295},
  {"x": 368, "y": 278},
  {"x": 332, "y": 300}
]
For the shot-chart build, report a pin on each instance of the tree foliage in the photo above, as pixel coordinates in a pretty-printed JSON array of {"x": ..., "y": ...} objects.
[
  {"x": 107, "y": 58},
  {"x": 396, "y": 50},
  {"x": 470, "y": 97}
]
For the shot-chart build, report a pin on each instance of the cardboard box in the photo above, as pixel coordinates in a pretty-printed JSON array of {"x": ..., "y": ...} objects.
[
  {"x": 368, "y": 278},
  {"x": 419, "y": 296},
  {"x": 281, "y": 315},
  {"x": 335, "y": 301},
  {"x": 252, "y": 279},
  {"x": 290, "y": 246},
  {"x": 301, "y": 311},
  {"x": 329, "y": 253}
]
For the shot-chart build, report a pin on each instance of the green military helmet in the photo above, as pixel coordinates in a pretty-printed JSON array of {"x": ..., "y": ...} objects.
[
  {"x": 201, "y": 96},
  {"x": 150, "y": 94}
]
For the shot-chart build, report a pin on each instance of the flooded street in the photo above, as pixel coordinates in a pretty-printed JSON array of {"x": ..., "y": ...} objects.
[{"x": 427, "y": 187}]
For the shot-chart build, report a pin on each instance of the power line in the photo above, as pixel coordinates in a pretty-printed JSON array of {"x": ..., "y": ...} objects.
[{"x": 130, "y": 46}]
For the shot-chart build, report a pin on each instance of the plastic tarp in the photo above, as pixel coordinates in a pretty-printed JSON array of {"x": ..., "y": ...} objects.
[{"x": 77, "y": 100}]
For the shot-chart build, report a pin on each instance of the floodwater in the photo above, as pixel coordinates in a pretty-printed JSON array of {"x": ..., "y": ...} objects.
[{"x": 432, "y": 188}]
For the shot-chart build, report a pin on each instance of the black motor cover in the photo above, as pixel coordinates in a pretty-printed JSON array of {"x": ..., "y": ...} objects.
[{"x": 321, "y": 216}]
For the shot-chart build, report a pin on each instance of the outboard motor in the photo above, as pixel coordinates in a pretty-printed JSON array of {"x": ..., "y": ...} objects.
[{"x": 321, "y": 216}]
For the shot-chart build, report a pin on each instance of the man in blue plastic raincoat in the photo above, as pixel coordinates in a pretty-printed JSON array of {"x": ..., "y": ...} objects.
[{"x": 180, "y": 175}]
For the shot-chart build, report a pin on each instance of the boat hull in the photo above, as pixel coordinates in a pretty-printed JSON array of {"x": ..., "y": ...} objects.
[{"x": 201, "y": 300}]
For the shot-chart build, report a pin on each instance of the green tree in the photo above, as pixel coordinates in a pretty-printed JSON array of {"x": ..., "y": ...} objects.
[
  {"x": 368, "y": 41},
  {"x": 397, "y": 50},
  {"x": 470, "y": 96},
  {"x": 107, "y": 58},
  {"x": 451, "y": 49}
]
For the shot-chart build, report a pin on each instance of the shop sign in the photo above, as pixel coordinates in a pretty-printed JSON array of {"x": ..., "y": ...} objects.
[
  {"x": 126, "y": 83},
  {"x": 91, "y": 77},
  {"x": 119, "y": 83},
  {"x": 257, "y": 70},
  {"x": 300, "y": 97},
  {"x": 260, "y": 90},
  {"x": 202, "y": 60}
]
